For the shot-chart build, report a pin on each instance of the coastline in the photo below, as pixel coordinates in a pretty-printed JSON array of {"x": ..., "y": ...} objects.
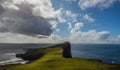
[
  {"x": 12, "y": 60},
  {"x": 52, "y": 59}
]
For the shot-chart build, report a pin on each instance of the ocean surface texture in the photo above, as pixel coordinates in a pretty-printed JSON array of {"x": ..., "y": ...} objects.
[{"x": 107, "y": 53}]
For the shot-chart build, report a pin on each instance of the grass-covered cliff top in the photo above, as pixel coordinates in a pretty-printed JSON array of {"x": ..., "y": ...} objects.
[{"x": 51, "y": 59}]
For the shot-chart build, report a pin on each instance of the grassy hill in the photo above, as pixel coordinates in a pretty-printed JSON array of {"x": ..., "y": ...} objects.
[{"x": 51, "y": 59}]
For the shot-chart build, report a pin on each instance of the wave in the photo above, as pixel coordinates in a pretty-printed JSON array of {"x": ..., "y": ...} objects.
[{"x": 11, "y": 59}]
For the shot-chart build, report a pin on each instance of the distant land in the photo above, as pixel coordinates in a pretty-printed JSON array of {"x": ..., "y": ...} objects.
[{"x": 57, "y": 57}]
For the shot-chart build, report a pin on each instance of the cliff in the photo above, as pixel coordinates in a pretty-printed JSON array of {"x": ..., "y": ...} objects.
[
  {"x": 33, "y": 54},
  {"x": 57, "y": 57},
  {"x": 67, "y": 50}
]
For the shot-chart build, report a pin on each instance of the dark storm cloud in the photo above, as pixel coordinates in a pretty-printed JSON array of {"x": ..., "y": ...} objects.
[
  {"x": 21, "y": 20},
  {"x": 1, "y": 9}
]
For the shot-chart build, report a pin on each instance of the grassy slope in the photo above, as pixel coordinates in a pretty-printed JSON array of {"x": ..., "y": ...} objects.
[{"x": 53, "y": 60}]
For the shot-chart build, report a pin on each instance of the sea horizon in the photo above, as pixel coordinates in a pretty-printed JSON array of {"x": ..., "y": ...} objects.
[{"x": 88, "y": 51}]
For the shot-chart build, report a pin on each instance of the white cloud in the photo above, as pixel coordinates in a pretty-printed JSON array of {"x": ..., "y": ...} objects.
[
  {"x": 54, "y": 24},
  {"x": 19, "y": 38},
  {"x": 28, "y": 17},
  {"x": 33, "y": 21},
  {"x": 94, "y": 36},
  {"x": 62, "y": 20},
  {"x": 90, "y": 37},
  {"x": 58, "y": 39},
  {"x": 88, "y": 18},
  {"x": 117, "y": 39},
  {"x": 77, "y": 27},
  {"x": 84, "y": 4},
  {"x": 60, "y": 15},
  {"x": 68, "y": 17},
  {"x": 70, "y": 14},
  {"x": 69, "y": 25},
  {"x": 70, "y": 1},
  {"x": 57, "y": 30},
  {"x": 119, "y": 36}
]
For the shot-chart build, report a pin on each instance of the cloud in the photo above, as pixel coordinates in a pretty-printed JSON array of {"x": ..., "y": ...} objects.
[
  {"x": 70, "y": 1},
  {"x": 85, "y": 4},
  {"x": 77, "y": 27},
  {"x": 28, "y": 17},
  {"x": 88, "y": 18},
  {"x": 90, "y": 36},
  {"x": 20, "y": 38},
  {"x": 57, "y": 30},
  {"x": 87, "y": 37},
  {"x": 60, "y": 15},
  {"x": 117, "y": 39},
  {"x": 103, "y": 35},
  {"x": 67, "y": 17},
  {"x": 1, "y": 9},
  {"x": 69, "y": 25},
  {"x": 70, "y": 14}
]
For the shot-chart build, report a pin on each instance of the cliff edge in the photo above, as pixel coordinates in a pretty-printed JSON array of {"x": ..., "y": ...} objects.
[
  {"x": 33, "y": 54},
  {"x": 67, "y": 50}
]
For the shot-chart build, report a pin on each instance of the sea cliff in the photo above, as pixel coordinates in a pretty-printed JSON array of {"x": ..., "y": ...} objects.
[{"x": 57, "y": 57}]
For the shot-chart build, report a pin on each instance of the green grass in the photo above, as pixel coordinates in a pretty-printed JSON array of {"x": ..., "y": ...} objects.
[{"x": 52, "y": 60}]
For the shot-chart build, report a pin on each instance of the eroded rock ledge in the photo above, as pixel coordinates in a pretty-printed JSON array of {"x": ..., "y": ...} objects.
[
  {"x": 67, "y": 50},
  {"x": 32, "y": 54}
]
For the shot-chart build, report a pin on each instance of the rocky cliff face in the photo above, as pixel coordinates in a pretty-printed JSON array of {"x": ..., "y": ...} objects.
[
  {"x": 33, "y": 54},
  {"x": 67, "y": 50}
]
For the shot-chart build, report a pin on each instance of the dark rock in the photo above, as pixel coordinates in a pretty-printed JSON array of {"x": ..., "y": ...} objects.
[
  {"x": 67, "y": 50},
  {"x": 33, "y": 54}
]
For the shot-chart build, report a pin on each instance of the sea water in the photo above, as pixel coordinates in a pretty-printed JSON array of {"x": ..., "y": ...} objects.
[
  {"x": 8, "y": 52},
  {"x": 107, "y": 53}
]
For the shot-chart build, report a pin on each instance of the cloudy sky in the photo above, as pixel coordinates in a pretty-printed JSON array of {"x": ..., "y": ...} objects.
[{"x": 49, "y": 21}]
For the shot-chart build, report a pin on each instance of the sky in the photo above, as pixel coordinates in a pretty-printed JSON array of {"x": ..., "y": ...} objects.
[{"x": 54, "y": 21}]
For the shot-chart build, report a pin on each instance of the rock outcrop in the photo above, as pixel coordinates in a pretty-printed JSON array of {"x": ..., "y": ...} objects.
[
  {"x": 33, "y": 54},
  {"x": 67, "y": 50}
]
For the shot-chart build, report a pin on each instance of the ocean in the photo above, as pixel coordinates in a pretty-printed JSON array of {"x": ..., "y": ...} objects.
[
  {"x": 107, "y": 53},
  {"x": 8, "y": 52}
]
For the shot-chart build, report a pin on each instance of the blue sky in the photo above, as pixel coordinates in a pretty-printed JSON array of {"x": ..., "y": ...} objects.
[
  {"x": 48, "y": 21},
  {"x": 105, "y": 19}
]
